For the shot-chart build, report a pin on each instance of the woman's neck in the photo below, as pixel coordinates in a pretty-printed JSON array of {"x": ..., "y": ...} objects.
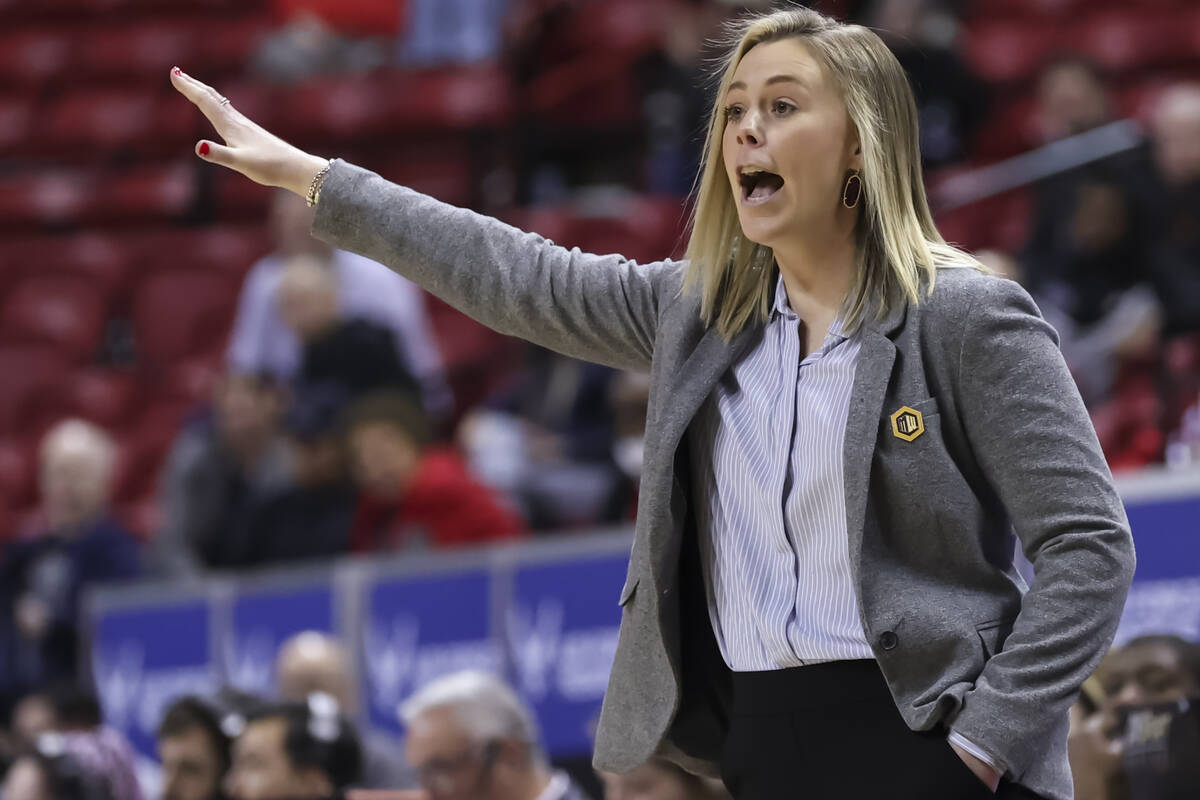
[{"x": 818, "y": 273}]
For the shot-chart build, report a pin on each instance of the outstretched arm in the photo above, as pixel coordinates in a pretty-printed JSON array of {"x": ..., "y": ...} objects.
[{"x": 599, "y": 308}]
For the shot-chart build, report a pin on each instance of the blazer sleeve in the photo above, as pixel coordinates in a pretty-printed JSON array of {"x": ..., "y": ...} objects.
[
  {"x": 1036, "y": 445},
  {"x": 598, "y": 308}
]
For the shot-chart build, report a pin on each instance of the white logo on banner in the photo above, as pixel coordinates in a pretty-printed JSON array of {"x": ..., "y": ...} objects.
[
  {"x": 249, "y": 660},
  {"x": 397, "y": 663},
  {"x": 575, "y": 664},
  {"x": 134, "y": 696}
]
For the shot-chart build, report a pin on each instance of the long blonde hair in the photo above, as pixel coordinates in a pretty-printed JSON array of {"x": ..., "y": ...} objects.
[{"x": 899, "y": 248}]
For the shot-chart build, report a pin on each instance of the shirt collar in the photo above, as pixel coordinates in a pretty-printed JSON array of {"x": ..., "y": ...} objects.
[{"x": 781, "y": 307}]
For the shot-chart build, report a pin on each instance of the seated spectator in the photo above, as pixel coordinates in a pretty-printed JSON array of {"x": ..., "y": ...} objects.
[
  {"x": 546, "y": 441},
  {"x": 1087, "y": 256},
  {"x": 32, "y": 716},
  {"x": 310, "y": 516},
  {"x": 659, "y": 779},
  {"x": 1176, "y": 140},
  {"x": 298, "y": 751},
  {"x": 415, "y": 496},
  {"x": 76, "y": 766},
  {"x": 313, "y": 662},
  {"x": 951, "y": 101},
  {"x": 42, "y": 577},
  {"x": 357, "y": 354},
  {"x": 1107, "y": 747},
  {"x": 217, "y": 468},
  {"x": 194, "y": 751},
  {"x": 470, "y": 736},
  {"x": 260, "y": 342}
]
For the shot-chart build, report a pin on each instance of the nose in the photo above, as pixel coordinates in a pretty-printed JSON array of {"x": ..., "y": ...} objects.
[{"x": 748, "y": 130}]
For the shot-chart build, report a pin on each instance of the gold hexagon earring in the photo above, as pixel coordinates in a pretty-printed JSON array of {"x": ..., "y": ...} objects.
[{"x": 853, "y": 185}]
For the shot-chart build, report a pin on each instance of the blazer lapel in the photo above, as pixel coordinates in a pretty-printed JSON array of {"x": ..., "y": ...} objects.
[{"x": 871, "y": 378}]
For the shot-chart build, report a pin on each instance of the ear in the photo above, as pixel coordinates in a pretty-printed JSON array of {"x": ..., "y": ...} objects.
[{"x": 853, "y": 151}]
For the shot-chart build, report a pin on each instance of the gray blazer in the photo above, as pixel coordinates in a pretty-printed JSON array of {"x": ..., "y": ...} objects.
[{"x": 1008, "y": 450}]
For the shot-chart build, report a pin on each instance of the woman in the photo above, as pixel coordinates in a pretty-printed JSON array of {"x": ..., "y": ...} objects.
[{"x": 848, "y": 424}]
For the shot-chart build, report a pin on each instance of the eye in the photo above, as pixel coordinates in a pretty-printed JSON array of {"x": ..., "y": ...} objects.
[
  {"x": 733, "y": 113},
  {"x": 782, "y": 107}
]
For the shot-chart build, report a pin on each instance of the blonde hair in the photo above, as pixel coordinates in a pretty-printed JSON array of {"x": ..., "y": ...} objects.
[{"x": 899, "y": 247}]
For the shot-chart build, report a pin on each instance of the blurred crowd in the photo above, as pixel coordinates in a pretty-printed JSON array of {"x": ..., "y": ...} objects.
[
  {"x": 468, "y": 737},
  {"x": 337, "y": 424},
  {"x": 1135, "y": 734}
]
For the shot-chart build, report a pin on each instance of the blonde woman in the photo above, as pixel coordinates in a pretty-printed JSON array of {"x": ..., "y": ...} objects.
[{"x": 850, "y": 426}]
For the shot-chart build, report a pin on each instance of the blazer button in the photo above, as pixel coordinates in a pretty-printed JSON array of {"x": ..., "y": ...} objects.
[{"x": 888, "y": 640}]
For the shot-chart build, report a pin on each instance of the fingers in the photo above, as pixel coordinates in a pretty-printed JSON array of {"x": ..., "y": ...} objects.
[
  {"x": 207, "y": 99},
  {"x": 216, "y": 153}
]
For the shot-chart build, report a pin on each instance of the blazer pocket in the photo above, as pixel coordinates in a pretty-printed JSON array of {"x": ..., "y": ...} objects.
[
  {"x": 993, "y": 634},
  {"x": 627, "y": 591}
]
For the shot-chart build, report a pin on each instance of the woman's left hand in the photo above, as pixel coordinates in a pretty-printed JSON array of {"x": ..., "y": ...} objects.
[{"x": 982, "y": 770}]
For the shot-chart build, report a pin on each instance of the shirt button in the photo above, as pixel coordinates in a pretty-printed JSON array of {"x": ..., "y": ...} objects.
[{"x": 888, "y": 640}]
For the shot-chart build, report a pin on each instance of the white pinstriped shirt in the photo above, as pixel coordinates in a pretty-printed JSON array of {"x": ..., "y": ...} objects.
[
  {"x": 768, "y": 448},
  {"x": 774, "y": 544}
]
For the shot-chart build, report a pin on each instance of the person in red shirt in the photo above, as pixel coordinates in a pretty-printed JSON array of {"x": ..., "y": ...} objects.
[{"x": 415, "y": 495}]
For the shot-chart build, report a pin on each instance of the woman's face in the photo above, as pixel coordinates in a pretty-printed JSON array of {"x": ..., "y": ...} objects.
[{"x": 787, "y": 145}]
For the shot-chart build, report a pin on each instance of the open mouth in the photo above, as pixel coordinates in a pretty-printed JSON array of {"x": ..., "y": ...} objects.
[{"x": 758, "y": 186}]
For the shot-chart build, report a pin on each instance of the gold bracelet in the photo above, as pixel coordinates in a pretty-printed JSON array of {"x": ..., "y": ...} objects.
[{"x": 314, "y": 188}]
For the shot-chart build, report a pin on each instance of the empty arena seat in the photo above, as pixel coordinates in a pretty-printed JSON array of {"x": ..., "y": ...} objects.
[
  {"x": 1006, "y": 52},
  {"x": 148, "y": 193},
  {"x": 105, "y": 396},
  {"x": 45, "y": 197},
  {"x": 99, "y": 120},
  {"x": 1130, "y": 38},
  {"x": 33, "y": 56},
  {"x": 179, "y": 313},
  {"x": 62, "y": 311},
  {"x": 31, "y": 392},
  {"x": 142, "y": 50},
  {"x": 18, "y": 471},
  {"x": 16, "y": 123}
]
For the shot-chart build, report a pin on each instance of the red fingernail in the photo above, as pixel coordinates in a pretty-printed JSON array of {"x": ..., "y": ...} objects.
[
  {"x": 204, "y": 148},
  {"x": 176, "y": 70}
]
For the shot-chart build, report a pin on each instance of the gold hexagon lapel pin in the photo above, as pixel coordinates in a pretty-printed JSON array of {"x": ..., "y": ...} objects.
[{"x": 907, "y": 423}]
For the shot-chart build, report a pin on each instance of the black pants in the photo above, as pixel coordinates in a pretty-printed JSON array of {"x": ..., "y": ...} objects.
[{"x": 832, "y": 730}]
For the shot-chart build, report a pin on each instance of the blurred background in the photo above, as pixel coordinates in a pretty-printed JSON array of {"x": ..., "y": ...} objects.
[{"x": 208, "y": 419}]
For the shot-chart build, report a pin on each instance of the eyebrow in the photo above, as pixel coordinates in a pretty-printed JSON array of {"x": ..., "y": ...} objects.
[{"x": 769, "y": 81}]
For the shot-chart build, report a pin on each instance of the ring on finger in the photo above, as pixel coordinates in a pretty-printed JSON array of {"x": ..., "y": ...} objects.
[{"x": 224, "y": 101}]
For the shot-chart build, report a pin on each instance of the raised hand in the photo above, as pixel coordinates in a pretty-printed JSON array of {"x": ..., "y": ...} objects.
[{"x": 249, "y": 149}]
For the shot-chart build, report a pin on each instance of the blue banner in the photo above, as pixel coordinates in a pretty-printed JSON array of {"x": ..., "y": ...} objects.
[
  {"x": 418, "y": 628},
  {"x": 561, "y": 630},
  {"x": 143, "y": 658},
  {"x": 263, "y": 620}
]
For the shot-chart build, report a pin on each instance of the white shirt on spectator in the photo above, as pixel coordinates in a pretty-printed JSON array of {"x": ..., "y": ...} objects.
[{"x": 260, "y": 341}]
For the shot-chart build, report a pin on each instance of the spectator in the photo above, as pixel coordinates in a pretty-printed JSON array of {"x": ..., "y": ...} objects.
[
  {"x": 471, "y": 738},
  {"x": 355, "y": 353},
  {"x": 260, "y": 342},
  {"x": 216, "y": 470},
  {"x": 297, "y": 751},
  {"x": 951, "y": 101},
  {"x": 310, "y": 516},
  {"x": 659, "y": 779},
  {"x": 546, "y": 440},
  {"x": 80, "y": 766},
  {"x": 1176, "y": 141},
  {"x": 313, "y": 662},
  {"x": 32, "y": 716},
  {"x": 194, "y": 751},
  {"x": 415, "y": 496},
  {"x": 1146, "y": 672},
  {"x": 1087, "y": 256},
  {"x": 42, "y": 578}
]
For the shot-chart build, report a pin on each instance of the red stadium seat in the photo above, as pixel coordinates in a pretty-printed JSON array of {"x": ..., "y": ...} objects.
[
  {"x": 1006, "y": 52},
  {"x": 31, "y": 392},
  {"x": 18, "y": 473},
  {"x": 44, "y": 198},
  {"x": 16, "y": 123},
  {"x": 99, "y": 120},
  {"x": 143, "y": 51},
  {"x": 147, "y": 193},
  {"x": 178, "y": 313},
  {"x": 32, "y": 57},
  {"x": 1126, "y": 39},
  {"x": 228, "y": 251},
  {"x": 106, "y": 397},
  {"x": 63, "y": 311}
]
